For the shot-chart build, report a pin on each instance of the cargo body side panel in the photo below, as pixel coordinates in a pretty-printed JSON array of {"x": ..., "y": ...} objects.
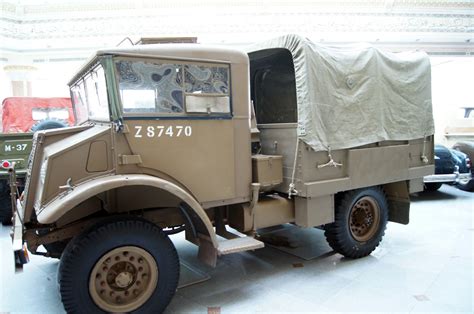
[{"x": 369, "y": 165}]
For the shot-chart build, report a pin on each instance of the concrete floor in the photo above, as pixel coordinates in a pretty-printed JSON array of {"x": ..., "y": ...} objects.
[{"x": 426, "y": 266}]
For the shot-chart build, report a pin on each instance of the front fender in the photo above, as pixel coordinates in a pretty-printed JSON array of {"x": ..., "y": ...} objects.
[{"x": 63, "y": 204}]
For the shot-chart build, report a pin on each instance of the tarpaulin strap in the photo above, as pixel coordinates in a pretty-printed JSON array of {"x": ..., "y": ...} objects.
[
  {"x": 331, "y": 162},
  {"x": 291, "y": 188},
  {"x": 423, "y": 157}
]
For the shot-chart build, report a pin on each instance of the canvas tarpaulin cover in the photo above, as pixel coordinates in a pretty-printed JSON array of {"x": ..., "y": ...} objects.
[{"x": 355, "y": 95}]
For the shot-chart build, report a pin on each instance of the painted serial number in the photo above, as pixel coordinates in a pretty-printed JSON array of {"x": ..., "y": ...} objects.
[
  {"x": 160, "y": 131},
  {"x": 17, "y": 148}
]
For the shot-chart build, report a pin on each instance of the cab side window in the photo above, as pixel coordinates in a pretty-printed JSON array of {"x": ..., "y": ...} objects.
[
  {"x": 160, "y": 87},
  {"x": 149, "y": 87},
  {"x": 207, "y": 89}
]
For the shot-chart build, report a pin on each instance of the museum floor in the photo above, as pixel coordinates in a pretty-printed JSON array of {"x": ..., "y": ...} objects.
[{"x": 426, "y": 266}]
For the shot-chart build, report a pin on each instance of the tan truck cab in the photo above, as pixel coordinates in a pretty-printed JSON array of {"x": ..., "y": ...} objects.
[{"x": 185, "y": 137}]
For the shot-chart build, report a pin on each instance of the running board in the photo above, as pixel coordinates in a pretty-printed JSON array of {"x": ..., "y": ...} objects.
[{"x": 239, "y": 244}]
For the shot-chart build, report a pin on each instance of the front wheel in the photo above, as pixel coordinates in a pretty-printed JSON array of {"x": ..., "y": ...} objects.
[
  {"x": 119, "y": 267},
  {"x": 360, "y": 222}
]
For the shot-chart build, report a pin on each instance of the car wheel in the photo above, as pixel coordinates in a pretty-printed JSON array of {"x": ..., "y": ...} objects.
[
  {"x": 127, "y": 265},
  {"x": 431, "y": 187},
  {"x": 360, "y": 221},
  {"x": 466, "y": 185},
  {"x": 47, "y": 125}
]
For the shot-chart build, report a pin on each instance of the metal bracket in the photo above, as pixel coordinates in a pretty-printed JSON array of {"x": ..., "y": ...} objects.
[
  {"x": 68, "y": 186},
  {"x": 119, "y": 126},
  {"x": 292, "y": 191}
]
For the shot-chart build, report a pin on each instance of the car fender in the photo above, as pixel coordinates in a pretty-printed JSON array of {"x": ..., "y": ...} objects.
[{"x": 78, "y": 194}]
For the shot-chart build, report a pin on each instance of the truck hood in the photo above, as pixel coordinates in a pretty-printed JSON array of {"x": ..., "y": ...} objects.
[{"x": 56, "y": 156}]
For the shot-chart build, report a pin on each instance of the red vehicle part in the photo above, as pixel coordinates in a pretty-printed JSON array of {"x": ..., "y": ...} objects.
[{"x": 20, "y": 114}]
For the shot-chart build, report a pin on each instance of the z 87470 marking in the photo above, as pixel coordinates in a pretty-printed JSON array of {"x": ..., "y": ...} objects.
[{"x": 160, "y": 130}]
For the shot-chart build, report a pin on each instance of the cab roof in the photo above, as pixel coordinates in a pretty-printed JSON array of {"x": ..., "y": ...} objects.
[{"x": 191, "y": 52}]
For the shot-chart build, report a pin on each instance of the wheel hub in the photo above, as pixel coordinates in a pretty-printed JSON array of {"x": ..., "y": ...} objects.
[
  {"x": 364, "y": 219},
  {"x": 123, "y": 279}
]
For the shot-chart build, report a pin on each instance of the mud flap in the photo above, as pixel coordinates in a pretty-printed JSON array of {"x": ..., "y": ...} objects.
[
  {"x": 399, "y": 211},
  {"x": 207, "y": 253}
]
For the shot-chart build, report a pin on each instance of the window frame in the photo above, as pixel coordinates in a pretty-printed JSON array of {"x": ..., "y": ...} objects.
[
  {"x": 82, "y": 81},
  {"x": 185, "y": 114}
]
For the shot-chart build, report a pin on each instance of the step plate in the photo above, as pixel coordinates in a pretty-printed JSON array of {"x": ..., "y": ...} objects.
[{"x": 239, "y": 245}]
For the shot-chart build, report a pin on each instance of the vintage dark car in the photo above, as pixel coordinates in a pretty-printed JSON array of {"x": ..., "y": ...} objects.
[
  {"x": 451, "y": 166},
  {"x": 467, "y": 148}
]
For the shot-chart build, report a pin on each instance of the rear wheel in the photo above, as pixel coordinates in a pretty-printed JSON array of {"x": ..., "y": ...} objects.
[
  {"x": 466, "y": 185},
  {"x": 360, "y": 222},
  {"x": 431, "y": 187},
  {"x": 47, "y": 125},
  {"x": 121, "y": 266}
]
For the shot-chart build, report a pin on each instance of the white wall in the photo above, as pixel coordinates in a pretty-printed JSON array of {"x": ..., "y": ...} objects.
[
  {"x": 452, "y": 87},
  {"x": 51, "y": 79}
]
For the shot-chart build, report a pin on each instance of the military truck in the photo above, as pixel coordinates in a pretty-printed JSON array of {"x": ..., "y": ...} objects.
[
  {"x": 167, "y": 141},
  {"x": 21, "y": 116}
]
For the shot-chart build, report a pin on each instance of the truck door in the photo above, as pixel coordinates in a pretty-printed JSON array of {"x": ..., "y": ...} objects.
[{"x": 179, "y": 117}]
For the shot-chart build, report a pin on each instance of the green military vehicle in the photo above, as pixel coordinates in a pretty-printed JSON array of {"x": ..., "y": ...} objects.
[
  {"x": 14, "y": 151},
  {"x": 166, "y": 141},
  {"x": 21, "y": 116}
]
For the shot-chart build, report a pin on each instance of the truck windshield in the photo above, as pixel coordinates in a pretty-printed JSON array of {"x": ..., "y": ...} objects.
[{"x": 89, "y": 97}]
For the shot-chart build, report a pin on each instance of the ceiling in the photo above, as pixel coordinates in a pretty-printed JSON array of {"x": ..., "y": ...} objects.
[{"x": 68, "y": 31}]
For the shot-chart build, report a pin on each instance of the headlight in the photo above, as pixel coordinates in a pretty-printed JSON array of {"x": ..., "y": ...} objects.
[{"x": 42, "y": 173}]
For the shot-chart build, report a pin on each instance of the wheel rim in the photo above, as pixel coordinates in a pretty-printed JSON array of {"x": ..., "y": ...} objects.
[
  {"x": 364, "y": 219},
  {"x": 123, "y": 279}
]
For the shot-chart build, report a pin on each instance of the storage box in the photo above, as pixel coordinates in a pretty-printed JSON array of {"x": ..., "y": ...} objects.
[{"x": 267, "y": 170}]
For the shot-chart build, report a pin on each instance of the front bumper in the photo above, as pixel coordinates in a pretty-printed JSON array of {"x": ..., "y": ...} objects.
[
  {"x": 455, "y": 177},
  {"x": 4, "y": 174}
]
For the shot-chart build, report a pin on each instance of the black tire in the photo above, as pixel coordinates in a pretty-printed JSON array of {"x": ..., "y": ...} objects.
[
  {"x": 349, "y": 238},
  {"x": 85, "y": 254},
  {"x": 468, "y": 186},
  {"x": 6, "y": 208},
  {"x": 432, "y": 187},
  {"x": 48, "y": 124}
]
